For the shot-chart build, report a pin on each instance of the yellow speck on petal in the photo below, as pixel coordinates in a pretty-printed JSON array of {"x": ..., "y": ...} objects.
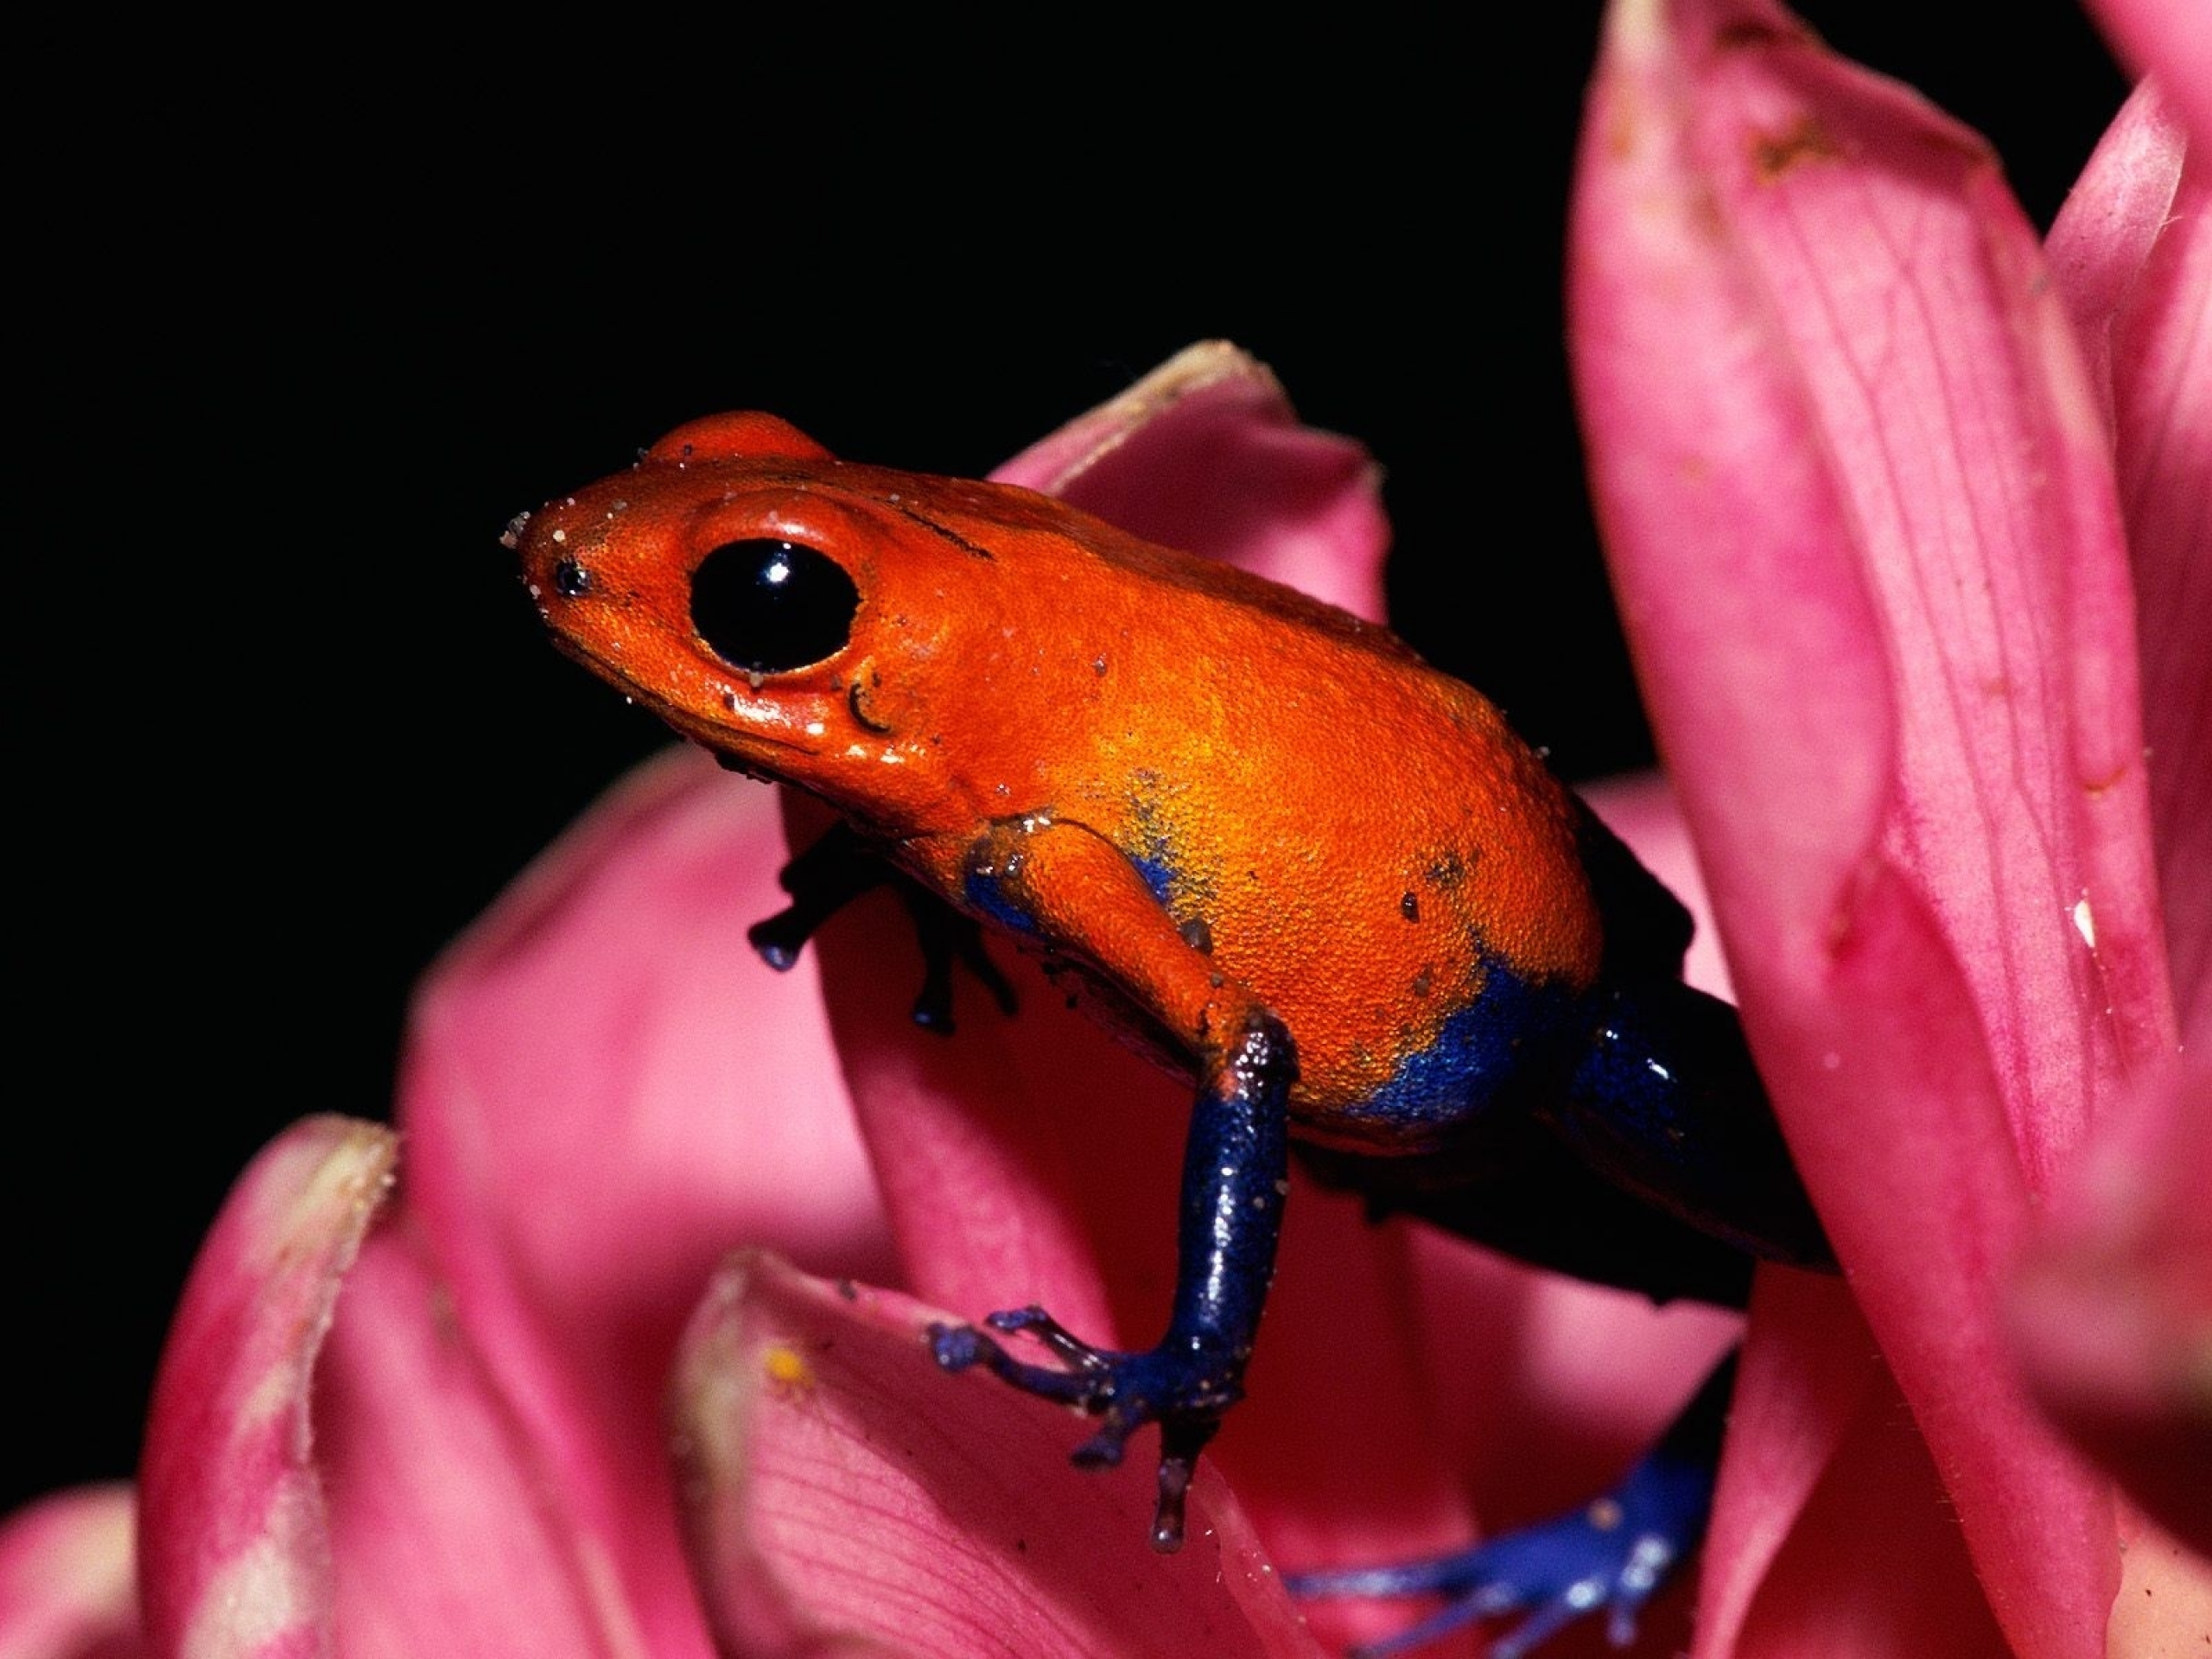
[
  {"x": 2084, "y": 923},
  {"x": 787, "y": 1369}
]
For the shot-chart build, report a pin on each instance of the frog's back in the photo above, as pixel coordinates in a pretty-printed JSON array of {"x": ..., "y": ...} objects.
[{"x": 1359, "y": 839}]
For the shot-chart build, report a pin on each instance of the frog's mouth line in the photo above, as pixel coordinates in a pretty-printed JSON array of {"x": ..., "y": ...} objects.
[{"x": 740, "y": 745}]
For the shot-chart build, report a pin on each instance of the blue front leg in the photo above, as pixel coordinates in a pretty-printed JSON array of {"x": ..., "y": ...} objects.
[
  {"x": 1236, "y": 1170},
  {"x": 1610, "y": 1555},
  {"x": 838, "y": 868}
]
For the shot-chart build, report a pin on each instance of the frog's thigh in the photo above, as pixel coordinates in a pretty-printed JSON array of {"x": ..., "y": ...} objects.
[{"x": 1075, "y": 891}]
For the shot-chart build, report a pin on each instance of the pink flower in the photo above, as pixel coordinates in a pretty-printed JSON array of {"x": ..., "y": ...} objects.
[
  {"x": 1860, "y": 497},
  {"x": 443, "y": 1421}
]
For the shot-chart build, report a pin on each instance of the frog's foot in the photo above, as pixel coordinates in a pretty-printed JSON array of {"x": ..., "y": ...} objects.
[
  {"x": 948, "y": 937},
  {"x": 837, "y": 869},
  {"x": 1610, "y": 1555},
  {"x": 1596, "y": 1559},
  {"x": 1179, "y": 1386}
]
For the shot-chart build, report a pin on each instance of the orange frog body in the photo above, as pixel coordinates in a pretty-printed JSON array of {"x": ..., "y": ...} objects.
[{"x": 1324, "y": 881}]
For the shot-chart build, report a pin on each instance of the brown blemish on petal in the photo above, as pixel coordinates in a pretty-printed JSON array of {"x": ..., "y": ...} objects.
[
  {"x": 2118, "y": 775},
  {"x": 1775, "y": 154},
  {"x": 1703, "y": 217},
  {"x": 1624, "y": 124}
]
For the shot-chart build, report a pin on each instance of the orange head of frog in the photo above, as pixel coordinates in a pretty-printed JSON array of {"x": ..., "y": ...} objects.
[{"x": 795, "y": 613}]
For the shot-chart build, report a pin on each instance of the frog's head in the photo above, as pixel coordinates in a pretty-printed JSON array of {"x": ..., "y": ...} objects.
[{"x": 786, "y": 609}]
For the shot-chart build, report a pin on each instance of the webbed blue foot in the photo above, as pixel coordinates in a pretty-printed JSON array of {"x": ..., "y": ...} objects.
[
  {"x": 1183, "y": 1388},
  {"x": 1608, "y": 1557}
]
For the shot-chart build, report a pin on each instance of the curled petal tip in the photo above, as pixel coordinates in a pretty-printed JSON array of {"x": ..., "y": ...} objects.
[
  {"x": 233, "y": 1530},
  {"x": 1206, "y": 454}
]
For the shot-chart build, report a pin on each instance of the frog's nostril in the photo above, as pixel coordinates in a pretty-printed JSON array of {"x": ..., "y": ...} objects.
[{"x": 570, "y": 579}]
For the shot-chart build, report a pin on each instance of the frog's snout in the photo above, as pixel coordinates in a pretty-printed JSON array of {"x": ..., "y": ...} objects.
[{"x": 549, "y": 564}]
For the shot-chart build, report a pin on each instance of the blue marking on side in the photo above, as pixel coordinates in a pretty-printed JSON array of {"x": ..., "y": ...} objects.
[
  {"x": 1157, "y": 872},
  {"x": 1154, "y": 857},
  {"x": 989, "y": 895},
  {"x": 1480, "y": 1049}
]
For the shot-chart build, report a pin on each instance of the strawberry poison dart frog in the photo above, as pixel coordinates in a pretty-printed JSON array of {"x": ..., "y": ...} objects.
[{"x": 1322, "y": 880}]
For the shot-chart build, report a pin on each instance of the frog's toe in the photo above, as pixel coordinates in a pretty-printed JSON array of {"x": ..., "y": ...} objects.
[
  {"x": 1179, "y": 1387},
  {"x": 1548, "y": 1575},
  {"x": 957, "y": 1347}
]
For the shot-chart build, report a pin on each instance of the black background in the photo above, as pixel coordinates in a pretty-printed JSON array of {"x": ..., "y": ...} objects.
[{"x": 305, "y": 321}]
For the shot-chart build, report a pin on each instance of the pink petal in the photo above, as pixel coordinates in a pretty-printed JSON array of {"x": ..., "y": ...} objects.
[
  {"x": 2167, "y": 41},
  {"x": 233, "y": 1538},
  {"x": 843, "y": 1494},
  {"x": 1342, "y": 1451},
  {"x": 2133, "y": 251},
  {"x": 955, "y": 1125},
  {"x": 1830, "y": 1535},
  {"x": 1205, "y": 453},
  {"x": 1552, "y": 1388},
  {"x": 447, "y": 1535},
  {"x": 1869, "y": 556},
  {"x": 605, "y": 1089},
  {"x": 68, "y": 1587},
  {"x": 2117, "y": 211},
  {"x": 1071, "y": 1203},
  {"x": 2112, "y": 1308}
]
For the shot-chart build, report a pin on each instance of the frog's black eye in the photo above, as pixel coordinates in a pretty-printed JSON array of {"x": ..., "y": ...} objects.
[{"x": 768, "y": 605}]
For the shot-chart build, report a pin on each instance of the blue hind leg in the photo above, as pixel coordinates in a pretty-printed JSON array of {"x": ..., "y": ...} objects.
[
  {"x": 1608, "y": 1556},
  {"x": 1663, "y": 1101}
]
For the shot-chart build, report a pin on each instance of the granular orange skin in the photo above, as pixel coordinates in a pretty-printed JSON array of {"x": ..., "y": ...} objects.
[{"x": 1026, "y": 688}]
